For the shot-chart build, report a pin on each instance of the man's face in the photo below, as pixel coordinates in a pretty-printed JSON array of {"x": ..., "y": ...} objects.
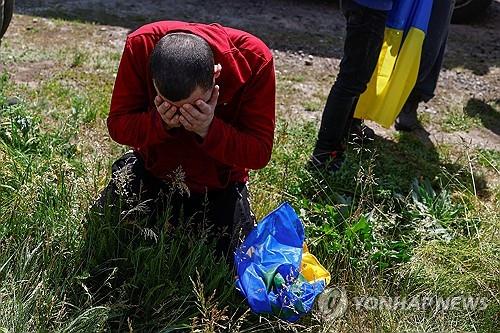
[{"x": 197, "y": 94}]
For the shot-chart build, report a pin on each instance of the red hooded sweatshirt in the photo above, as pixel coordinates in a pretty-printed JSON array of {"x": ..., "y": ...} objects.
[{"x": 241, "y": 134}]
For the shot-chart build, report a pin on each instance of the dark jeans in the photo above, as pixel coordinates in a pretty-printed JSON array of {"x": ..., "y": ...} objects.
[
  {"x": 433, "y": 50},
  {"x": 6, "y": 10},
  {"x": 363, "y": 41},
  {"x": 135, "y": 197}
]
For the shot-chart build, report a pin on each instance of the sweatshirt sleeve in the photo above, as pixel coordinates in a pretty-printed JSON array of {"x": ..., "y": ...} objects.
[
  {"x": 132, "y": 120},
  {"x": 248, "y": 145}
]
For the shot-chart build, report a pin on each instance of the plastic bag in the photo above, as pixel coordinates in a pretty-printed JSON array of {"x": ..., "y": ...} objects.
[{"x": 276, "y": 272}]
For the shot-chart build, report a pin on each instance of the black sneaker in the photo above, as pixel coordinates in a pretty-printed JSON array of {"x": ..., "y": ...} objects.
[
  {"x": 328, "y": 161},
  {"x": 359, "y": 132},
  {"x": 407, "y": 120}
]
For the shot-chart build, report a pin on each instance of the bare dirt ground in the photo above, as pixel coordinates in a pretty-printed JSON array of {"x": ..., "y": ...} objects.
[{"x": 297, "y": 32}]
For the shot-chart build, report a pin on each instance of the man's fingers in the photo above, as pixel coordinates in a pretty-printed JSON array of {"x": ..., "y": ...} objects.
[
  {"x": 169, "y": 113},
  {"x": 195, "y": 112},
  {"x": 187, "y": 125},
  {"x": 207, "y": 107},
  {"x": 203, "y": 107},
  {"x": 175, "y": 121},
  {"x": 188, "y": 115},
  {"x": 158, "y": 101},
  {"x": 164, "y": 107},
  {"x": 214, "y": 97}
]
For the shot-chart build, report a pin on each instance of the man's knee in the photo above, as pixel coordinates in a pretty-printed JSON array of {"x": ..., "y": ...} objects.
[
  {"x": 244, "y": 219},
  {"x": 123, "y": 191}
]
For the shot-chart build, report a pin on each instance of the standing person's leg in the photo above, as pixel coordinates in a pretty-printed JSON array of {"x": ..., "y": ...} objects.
[
  {"x": 430, "y": 65},
  {"x": 363, "y": 41},
  {"x": 356, "y": 131},
  {"x": 6, "y": 10},
  {"x": 433, "y": 50},
  {"x": 2, "y": 9}
]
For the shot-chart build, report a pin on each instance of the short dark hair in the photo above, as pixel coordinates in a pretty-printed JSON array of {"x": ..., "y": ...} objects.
[{"x": 180, "y": 62}]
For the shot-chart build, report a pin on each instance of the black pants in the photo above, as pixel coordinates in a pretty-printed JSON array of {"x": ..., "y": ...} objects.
[
  {"x": 135, "y": 197},
  {"x": 363, "y": 41},
  {"x": 6, "y": 10},
  {"x": 433, "y": 50}
]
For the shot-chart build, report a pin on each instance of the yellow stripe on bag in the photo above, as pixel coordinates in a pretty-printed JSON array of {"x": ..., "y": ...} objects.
[
  {"x": 311, "y": 269},
  {"x": 393, "y": 78}
]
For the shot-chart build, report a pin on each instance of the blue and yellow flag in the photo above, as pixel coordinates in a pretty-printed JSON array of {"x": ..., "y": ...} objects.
[{"x": 397, "y": 69}]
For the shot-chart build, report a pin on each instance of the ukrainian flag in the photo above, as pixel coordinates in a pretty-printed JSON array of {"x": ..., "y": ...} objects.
[{"x": 397, "y": 69}]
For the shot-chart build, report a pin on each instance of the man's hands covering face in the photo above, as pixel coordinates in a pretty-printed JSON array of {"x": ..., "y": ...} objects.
[
  {"x": 198, "y": 117},
  {"x": 195, "y": 117},
  {"x": 168, "y": 113}
]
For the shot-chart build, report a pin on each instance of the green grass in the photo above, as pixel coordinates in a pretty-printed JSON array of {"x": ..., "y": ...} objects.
[
  {"x": 374, "y": 220},
  {"x": 401, "y": 218},
  {"x": 312, "y": 104},
  {"x": 487, "y": 112},
  {"x": 489, "y": 158},
  {"x": 457, "y": 120}
]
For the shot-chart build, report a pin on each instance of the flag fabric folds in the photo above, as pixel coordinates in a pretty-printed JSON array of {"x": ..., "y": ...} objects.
[
  {"x": 275, "y": 271},
  {"x": 397, "y": 69}
]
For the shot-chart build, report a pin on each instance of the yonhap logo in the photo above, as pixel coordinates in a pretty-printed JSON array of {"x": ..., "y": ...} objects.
[{"x": 333, "y": 303}]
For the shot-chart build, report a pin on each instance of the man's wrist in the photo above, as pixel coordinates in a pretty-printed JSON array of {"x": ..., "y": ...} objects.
[
  {"x": 203, "y": 134},
  {"x": 166, "y": 127}
]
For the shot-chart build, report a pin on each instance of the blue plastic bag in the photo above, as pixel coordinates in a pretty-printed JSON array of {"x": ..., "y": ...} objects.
[{"x": 268, "y": 264}]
